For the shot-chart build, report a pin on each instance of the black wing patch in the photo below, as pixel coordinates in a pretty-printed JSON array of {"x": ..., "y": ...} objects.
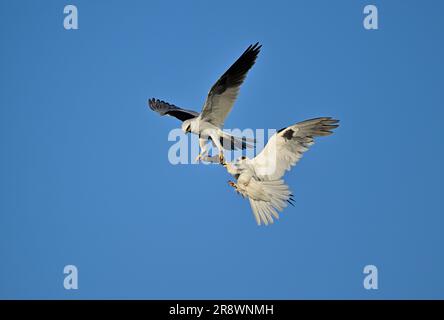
[
  {"x": 165, "y": 108},
  {"x": 236, "y": 74},
  {"x": 288, "y": 134}
]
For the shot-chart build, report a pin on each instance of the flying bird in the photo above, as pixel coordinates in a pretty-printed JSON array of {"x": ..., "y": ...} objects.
[
  {"x": 260, "y": 179},
  {"x": 209, "y": 123}
]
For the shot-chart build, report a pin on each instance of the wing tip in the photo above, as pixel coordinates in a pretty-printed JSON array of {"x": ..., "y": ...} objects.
[
  {"x": 254, "y": 49},
  {"x": 156, "y": 104},
  {"x": 317, "y": 127},
  {"x": 152, "y": 103}
]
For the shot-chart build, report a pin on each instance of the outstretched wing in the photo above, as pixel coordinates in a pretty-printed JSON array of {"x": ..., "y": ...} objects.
[
  {"x": 165, "y": 108},
  {"x": 285, "y": 148},
  {"x": 224, "y": 92}
]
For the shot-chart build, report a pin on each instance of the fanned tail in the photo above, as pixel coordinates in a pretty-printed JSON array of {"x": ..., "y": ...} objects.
[{"x": 278, "y": 197}]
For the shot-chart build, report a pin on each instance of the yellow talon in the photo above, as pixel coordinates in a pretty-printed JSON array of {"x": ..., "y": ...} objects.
[{"x": 231, "y": 183}]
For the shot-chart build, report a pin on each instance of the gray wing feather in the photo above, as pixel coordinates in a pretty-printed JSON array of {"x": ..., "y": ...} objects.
[
  {"x": 224, "y": 92},
  {"x": 285, "y": 148},
  {"x": 165, "y": 108}
]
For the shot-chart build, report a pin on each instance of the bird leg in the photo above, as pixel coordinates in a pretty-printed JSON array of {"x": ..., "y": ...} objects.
[
  {"x": 220, "y": 148},
  {"x": 202, "y": 149},
  {"x": 198, "y": 158},
  {"x": 202, "y": 152},
  {"x": 231, "y": 183},
  {"x": 221, "y": 158}
]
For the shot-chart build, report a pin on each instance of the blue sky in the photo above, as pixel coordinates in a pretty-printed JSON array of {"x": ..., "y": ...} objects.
[{"x": 85, "y": 177}]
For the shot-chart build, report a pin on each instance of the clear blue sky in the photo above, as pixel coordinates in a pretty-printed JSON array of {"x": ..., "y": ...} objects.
[{"x": 85, "y": 177}]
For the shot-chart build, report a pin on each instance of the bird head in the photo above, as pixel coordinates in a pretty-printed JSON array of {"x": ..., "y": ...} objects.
[
  {"x": 240, "y": 163},
  {"x": 237, "y": 166},
  {"x": 186, "y": 126}
]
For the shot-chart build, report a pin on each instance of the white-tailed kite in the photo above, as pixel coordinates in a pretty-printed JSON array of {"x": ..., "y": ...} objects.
[
  {"x": 208, "y": 124},
  {"x": 260, "y": 179}
]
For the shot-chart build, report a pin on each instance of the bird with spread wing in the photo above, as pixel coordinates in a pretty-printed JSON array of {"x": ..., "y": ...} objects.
[
  {"x": 209, "y": 123},
  {"x": 260, "y": 179}
]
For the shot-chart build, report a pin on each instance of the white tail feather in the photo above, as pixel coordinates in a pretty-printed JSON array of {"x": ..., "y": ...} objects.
[{"x": 276, "y": 197}]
